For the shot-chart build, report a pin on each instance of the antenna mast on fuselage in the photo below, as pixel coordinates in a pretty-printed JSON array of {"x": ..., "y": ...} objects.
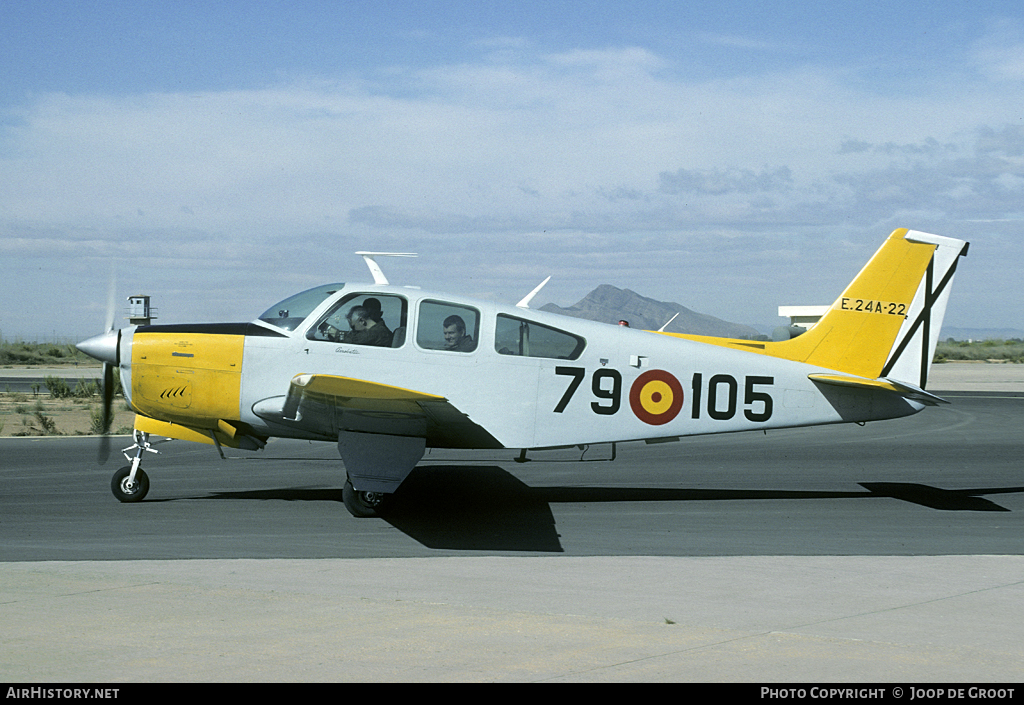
[{"x": 375, "y": 270}]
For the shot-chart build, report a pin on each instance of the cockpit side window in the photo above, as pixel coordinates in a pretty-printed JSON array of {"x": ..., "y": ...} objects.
[
  {"x": 446, "y": 326},
  {"x": 364, "y": 319},
  {"x": 517, "y": 336}
]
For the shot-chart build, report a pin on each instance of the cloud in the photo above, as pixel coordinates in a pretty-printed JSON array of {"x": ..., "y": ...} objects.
[
  {"x": 734, "y": 41},
  {"x": 564, "y": 140},
  {"x": 999, "y": 56},
  {"x": 518, "y": 158},
  {"x": 983, "y": 176},
  {"x": 1007, "y": 140},
  {"x": 854, "y": 147},
  {"x": 718, "y": 182}
]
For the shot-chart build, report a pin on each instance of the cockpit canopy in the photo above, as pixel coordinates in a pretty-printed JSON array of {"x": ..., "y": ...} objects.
[{"x": 291, "y": 312}]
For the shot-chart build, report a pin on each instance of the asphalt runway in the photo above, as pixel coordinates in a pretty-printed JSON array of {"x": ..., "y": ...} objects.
[{"x": 947, "y": 481}]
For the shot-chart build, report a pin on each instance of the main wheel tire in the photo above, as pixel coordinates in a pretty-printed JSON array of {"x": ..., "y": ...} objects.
[
  {"x": 135, "y": 493},
  {"x": 361, "y": 504}
]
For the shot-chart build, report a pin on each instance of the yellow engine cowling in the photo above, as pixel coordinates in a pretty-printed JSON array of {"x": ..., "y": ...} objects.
[{"x": 188, "y": 378}]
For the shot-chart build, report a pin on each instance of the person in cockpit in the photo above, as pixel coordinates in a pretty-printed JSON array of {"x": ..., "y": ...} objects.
[
  {"x": 372, "y": 305},
  {"x": 455, "y": 338},
  {"x": 366, "y": 330}
]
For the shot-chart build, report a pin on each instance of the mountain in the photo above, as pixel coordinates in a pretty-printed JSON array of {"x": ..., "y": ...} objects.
[{"x": 609, "y": 304}]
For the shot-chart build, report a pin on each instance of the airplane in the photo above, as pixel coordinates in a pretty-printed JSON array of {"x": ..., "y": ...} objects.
[{"x": 444, "y": 371}]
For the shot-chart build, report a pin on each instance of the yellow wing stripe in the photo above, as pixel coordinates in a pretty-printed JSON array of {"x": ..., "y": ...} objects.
[{"x": 346, "y": 387}]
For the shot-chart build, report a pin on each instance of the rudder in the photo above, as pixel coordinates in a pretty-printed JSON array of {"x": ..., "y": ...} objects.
[{"x": 914, "y": 349}]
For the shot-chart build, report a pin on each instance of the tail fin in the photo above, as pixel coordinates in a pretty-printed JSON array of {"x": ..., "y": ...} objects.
[{"x": 887, "y": 322}]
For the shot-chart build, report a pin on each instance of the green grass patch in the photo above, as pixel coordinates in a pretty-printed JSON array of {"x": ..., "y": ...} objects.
[{"x": 981, "y": 350}]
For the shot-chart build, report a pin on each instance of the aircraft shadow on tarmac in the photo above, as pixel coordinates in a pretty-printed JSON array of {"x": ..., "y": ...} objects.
[{"x": 487, "y": 508}]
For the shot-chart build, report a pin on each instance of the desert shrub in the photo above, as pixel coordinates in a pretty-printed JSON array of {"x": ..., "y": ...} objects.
[
  {"x": 86, "y": 388},
  {"x": 96, "y": 425},
  {"x": 21, "y": 353},
  {"x": 47, "y": 426},
  {"x": 59, "y": 388}
]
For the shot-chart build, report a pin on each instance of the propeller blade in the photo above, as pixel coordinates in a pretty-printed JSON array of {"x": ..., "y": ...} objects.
[
  {"x": 108, "y": 401},
  {"x": 111, "y": 303},
  {"x": 108, "y": 372}
]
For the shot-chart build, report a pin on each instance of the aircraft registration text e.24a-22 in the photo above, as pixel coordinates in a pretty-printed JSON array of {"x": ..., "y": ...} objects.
[{"x": 387, "y": 372}]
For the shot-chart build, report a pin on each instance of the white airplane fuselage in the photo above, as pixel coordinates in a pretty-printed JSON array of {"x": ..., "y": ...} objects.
[{"x": 522, "y": 401}]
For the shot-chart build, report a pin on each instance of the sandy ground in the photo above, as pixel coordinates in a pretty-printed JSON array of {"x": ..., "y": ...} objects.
[
  {"x": 20, "y": 415},
  {"x": 29, "y": 413}
]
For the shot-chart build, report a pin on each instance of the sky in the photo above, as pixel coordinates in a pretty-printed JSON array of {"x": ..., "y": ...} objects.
[{"x": 730, "y": 156}]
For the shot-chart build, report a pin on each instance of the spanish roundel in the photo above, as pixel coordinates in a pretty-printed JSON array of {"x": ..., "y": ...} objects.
[{"x": 656, "y": 397}]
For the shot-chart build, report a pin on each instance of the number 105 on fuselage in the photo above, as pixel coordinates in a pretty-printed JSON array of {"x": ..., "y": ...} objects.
[{"x": 656, "y": 397}]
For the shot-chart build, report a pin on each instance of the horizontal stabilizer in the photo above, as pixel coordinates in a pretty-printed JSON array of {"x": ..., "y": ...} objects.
[{"x": 904, "y": 389}]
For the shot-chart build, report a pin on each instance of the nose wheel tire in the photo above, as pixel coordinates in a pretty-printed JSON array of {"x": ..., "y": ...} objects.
[
  {"x": 361, "y": 504},
  {"x": 134, "y": 492}
]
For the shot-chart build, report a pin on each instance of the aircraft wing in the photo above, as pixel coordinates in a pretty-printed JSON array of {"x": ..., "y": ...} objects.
[{"x": 326, "y": 405}]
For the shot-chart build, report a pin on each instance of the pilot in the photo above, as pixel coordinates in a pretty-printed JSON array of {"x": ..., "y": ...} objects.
[
  {"x": 365, "y": 330},
  {"x": 455, "y": 337}
]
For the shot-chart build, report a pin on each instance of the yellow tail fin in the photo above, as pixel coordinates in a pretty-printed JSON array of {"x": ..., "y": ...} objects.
[{"x": 887, "y": 322}]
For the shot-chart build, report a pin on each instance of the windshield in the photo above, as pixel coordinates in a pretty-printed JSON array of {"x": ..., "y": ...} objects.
[{"x": 288, "y": 314}]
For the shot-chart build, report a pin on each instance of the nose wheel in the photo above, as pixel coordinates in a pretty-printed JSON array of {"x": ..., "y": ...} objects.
[
  {"x": 128, "y": 489},
  {"x": 131, "y": 483}
]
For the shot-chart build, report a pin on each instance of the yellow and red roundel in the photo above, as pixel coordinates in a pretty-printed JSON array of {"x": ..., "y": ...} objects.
[{"x": 656, "y": 397}]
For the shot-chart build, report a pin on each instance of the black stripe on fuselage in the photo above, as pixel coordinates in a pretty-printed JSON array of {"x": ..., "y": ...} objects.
[{"x": 250, "y": 329}]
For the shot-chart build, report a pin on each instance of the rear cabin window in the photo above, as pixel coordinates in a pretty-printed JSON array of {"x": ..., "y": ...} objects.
[
  {"x": 446, "y": 326},
  {"x": 516, "y": 336}
]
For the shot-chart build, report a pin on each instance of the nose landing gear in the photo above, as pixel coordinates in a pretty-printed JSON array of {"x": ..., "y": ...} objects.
[{"x": 130, "y": 483}]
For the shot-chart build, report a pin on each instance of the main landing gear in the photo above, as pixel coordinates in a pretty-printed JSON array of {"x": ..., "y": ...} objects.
[
  {"x": 361, "y": 504},
  {"x": 130, "y": 483}
]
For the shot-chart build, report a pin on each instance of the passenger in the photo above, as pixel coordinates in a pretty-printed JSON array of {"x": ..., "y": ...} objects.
[
  {"x": 365, "y": 330},
  {"x": 455, "y": 337},
  {"x": 373, "y": 306}
]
